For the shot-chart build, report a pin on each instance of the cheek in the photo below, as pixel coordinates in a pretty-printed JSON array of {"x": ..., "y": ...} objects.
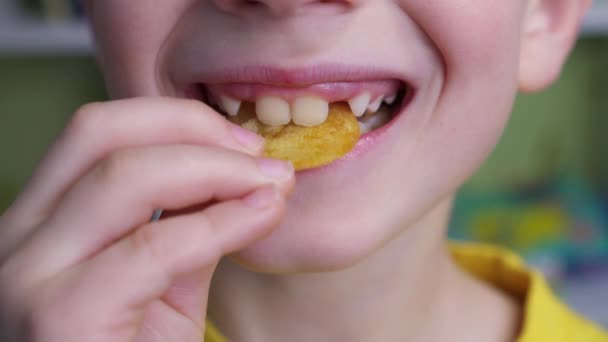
[
  {"x": 479, "y": 43},
  {"x": 130, "y": 36}
]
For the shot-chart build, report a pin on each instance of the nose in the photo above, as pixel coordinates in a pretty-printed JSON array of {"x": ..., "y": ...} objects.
[{"x": 277, "y": 8}]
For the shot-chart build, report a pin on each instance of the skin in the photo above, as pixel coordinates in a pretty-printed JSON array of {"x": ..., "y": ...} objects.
[{"x": 117, "y": 277}]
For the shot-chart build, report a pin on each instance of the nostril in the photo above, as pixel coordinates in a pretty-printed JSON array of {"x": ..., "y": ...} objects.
[
  {"x": 252, "y": 3},
  {"x": 283, "y": 7}
]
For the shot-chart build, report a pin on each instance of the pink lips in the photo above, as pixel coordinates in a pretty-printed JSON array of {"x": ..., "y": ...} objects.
[
  {"x": 287, "y": 77},
  {"x": 332, "y": 91}
]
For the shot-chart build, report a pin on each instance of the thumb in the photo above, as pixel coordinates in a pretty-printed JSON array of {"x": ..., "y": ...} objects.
[
  {"x": 188, "y": 295},
  {"x": 180, "y": 314},
  {"x": 154, "y": 283}
]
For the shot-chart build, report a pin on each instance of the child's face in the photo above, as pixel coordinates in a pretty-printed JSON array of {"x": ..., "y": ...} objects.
[{"x": 460, "y": 60}]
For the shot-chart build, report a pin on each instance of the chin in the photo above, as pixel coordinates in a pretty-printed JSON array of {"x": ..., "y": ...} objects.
[{"x": 330, "y": 241}]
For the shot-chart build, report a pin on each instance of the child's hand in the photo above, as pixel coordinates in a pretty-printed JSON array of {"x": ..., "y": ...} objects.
[{"x": 80, "y": 259}]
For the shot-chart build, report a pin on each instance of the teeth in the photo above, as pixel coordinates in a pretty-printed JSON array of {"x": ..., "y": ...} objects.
[
  {"x": 391, "y": 99},
  {"x": 359, "y": 104},
  {"x": 273, "y": 111},
  {"x": 309, "y": 111},
  {"x": 375, "y": 105},
  {"x": 230, "y": 105}
]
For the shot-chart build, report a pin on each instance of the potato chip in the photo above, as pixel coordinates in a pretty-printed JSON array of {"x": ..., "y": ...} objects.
[{"x": 306, "y": 147}]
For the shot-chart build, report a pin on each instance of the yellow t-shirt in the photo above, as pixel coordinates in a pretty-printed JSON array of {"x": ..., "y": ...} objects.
[{"x": 546, "y": 319}]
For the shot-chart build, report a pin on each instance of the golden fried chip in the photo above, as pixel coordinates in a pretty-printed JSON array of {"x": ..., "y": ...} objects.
[{"x": 306, "y": 147}]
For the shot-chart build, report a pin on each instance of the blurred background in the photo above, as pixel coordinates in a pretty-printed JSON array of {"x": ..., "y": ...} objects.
[{"x": 543, "y": 193}]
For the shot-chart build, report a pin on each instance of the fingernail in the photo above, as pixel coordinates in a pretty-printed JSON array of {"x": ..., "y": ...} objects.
[
  {"x": 262, "y": 198},
  {"x": 247, "y": 138},
  {"x": 275, "y": 168}
]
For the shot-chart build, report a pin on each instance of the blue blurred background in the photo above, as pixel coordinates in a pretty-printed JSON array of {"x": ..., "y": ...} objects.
[{"x": 543, "y": 193}]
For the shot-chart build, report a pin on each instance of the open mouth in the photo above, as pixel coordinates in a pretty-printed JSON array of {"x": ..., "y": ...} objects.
[
  {"x": 310, "y": 125},
  {"x": 373, "y": 103}
]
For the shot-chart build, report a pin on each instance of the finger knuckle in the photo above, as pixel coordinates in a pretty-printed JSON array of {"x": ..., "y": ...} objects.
[
  {"x": 116, "y": 167},
  {"x": 208, "y": 228},
  {"x": 205, "y": 221},
  {"x": 147, "y": 243},
  {"x": 87, "y": 119}
]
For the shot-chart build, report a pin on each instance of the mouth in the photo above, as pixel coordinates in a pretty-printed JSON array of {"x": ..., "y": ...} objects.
[
  {"x": 367, "y": 105},
  {"x": 374, "y": 103}
]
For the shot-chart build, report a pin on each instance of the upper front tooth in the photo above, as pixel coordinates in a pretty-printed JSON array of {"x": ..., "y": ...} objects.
[
  {"x": 359, "y": 103},
  {"x": 375, "y": 105},
  {"x": 230, "y": 105},
  {"x": 391, "y": 99},
  {"x": 273, "y": 111},
  {"x": 309, "y": 111}
]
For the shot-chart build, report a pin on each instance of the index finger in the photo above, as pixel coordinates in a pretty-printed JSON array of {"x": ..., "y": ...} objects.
[{"x": 98, "y": 129}]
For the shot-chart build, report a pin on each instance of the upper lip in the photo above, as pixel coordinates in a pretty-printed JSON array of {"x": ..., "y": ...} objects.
[{"x": 299, "y": 77}]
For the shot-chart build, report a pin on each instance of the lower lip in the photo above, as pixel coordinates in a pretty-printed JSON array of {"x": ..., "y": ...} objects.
[{"x": 365, "y": 145}]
